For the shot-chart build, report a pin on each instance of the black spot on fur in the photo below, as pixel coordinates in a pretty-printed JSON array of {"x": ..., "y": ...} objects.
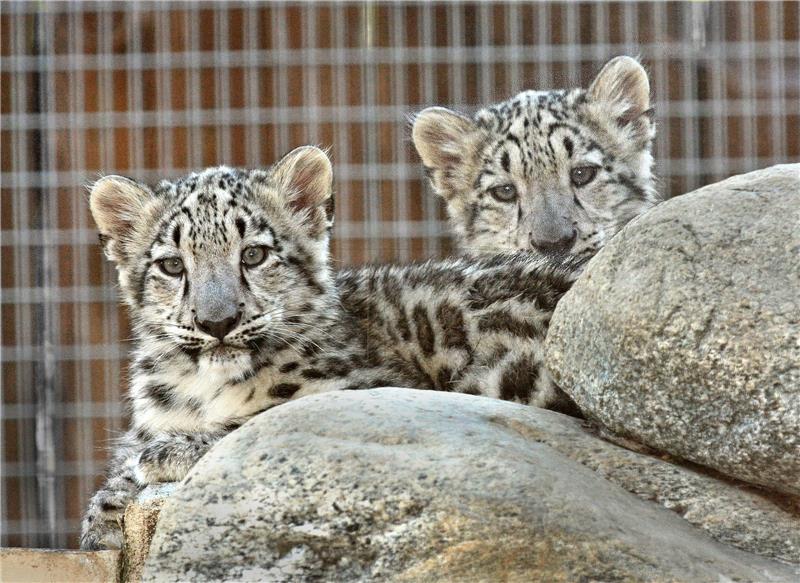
[
  {"x": 472, "y": 216},
  {"x": 311, "y": 349},
  {"x": 288, "y": 367},
  {"x": 231, "y": 425},
  {"x": 176, "y": 235},
  {"x": 337, "y": 367},
  {"x": 392, "y": 290},
  {"x": 306, "y": 272},
  {"x": 518, "y": 381},
  {"x": 313, "y": 373},
  {"x": 141, "y": 280},
  {"x": 425, "y": 336},
  {"x": 241, "y": 226},
  {"x": 569, "y": 146},
  {"x": 634, "y": 188},
  {"x": 243, "y": 280},
  {"x": 503, "y": 321},
  {"x": 444, "y": 379},
  {"x": 505, "y": 162},
  {"x": 477, "y": 184},
  {"x": 143, "y": 434},
  {"x": 284, "y": 390},
  {"x": 160, "y": 394},
  {"x": 402, "y": 326},
  {"x": 382, "y": 382},
  {"x": 144, "y": 365},
  {"x": 451, "y": 321}
]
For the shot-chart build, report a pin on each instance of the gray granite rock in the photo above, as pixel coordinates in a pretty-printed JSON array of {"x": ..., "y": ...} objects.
[
  {"x": 402, "y": 485},
  {"x": 684, "y": 332}
]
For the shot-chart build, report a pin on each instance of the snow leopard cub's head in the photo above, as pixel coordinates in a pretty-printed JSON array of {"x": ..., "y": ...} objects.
[
  {"x": 220, "y": 264},
  {"x": 554, "y": 172}
]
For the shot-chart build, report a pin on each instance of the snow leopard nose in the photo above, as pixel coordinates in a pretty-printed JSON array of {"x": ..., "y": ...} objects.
[
  {"x": 218, "y": 328},
  {"x": 555, "y": 241}
]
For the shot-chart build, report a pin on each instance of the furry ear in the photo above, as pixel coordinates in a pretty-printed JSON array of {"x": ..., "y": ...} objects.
[
  {"x": 306, "y": 175},
  {"x": 623, "y": 84},
  {"x": 440, "y": 136},
  {"x": 118, "y": 205}
]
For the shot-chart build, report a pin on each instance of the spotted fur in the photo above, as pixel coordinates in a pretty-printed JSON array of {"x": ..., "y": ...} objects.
[
  {"x": 507, "y": 174},
  {"x": 235, "y": 332}
]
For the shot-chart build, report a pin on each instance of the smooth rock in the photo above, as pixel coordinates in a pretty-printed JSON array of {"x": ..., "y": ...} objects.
[
  {"x": 684, "y": 331},
  {"x": 50, "y": 566},
  {"x": 403, "y": 485}
]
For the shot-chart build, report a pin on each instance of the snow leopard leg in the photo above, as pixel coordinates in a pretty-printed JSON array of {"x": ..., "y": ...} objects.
[
  {"x": 165, "y": 458},
  {"x": 169, "y": 458},
  {"x": 101, "y": 527}
]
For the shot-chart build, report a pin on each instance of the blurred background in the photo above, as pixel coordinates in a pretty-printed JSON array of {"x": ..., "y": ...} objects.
[{"x": 155, "y": 90}]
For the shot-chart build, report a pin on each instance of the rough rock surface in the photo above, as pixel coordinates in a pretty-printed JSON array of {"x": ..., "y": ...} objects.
[
  {"x": 139, "y": 524},
  {"x": 405, "y": 485},
  {"x": 684, "y": 332}
]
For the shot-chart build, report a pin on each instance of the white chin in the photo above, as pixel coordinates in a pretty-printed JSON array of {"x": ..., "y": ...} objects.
[{"x": 225, "y": 360}]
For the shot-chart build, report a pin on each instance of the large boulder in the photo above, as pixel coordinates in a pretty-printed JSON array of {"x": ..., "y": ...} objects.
[
  {"x": 403, "y": 485},
  {"x": 684, "y": 332}
]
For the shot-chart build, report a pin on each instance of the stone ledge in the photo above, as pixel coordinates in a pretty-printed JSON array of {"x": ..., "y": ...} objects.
[
  {"x": 57, "y": 566},
  {"x": 53, "y": 566}
]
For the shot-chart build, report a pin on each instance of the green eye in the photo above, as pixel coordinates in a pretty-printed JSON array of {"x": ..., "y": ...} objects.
[
  {"x": 172, "y": 266},
  {"x": 504, "y": 193},
  {"x": 253, "y": 256},
  {"x": 582, "y": 175}
]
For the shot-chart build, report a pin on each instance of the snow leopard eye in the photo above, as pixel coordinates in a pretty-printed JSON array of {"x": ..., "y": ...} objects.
[
  {"x": 504, "y": 193},
  {"x": 172, "y": 266},
  {"x": 582, "y": 175},
  {"x": 253, "y": 256}
]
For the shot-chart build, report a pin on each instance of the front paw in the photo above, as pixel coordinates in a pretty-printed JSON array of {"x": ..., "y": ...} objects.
[
  {"x": 102, "y": 524},
  {"x": 101, "y": 537}
]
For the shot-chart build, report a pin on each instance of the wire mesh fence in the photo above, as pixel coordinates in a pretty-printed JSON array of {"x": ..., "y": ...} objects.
[{"x": 157, "y": 89}]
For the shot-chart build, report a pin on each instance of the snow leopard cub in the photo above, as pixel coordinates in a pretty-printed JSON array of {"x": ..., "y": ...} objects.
[
  {"x": 553, "y": 172},
  {"x": 235, "y": 310}
]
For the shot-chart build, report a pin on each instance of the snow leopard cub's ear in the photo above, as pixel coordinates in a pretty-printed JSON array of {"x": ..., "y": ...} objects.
[
  {"x": 120, "y": 207},
  {"x": 306, "y": 176},
  {"x": 623, "y": 86},
  {"x": 443, "y": 138}
]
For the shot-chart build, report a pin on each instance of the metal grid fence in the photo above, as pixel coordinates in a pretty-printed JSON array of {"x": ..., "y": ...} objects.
[{"x": 156, "y": 89}]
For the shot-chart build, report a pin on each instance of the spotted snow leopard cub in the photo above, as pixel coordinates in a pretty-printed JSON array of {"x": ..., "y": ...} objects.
[
  {"x": 552, "y": 172},
  {"x": 235, "y": 309}
]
